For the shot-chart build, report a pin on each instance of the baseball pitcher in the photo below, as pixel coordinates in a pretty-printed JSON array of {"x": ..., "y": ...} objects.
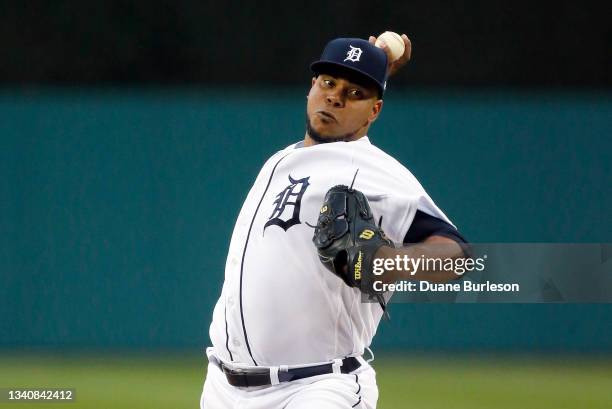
[{"x": 298, "y": 311}]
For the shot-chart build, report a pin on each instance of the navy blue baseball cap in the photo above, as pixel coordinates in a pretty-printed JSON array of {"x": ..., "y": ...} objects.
[{"x": 356, "y": 56}]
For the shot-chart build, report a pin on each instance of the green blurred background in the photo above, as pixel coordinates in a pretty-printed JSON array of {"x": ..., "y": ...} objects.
[
  {"x": 171, "y": 380},
  {"x": 131, "y": 131}
]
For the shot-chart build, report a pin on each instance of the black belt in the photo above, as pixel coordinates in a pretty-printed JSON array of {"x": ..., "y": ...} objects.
[{"x": 261, "y": 377}]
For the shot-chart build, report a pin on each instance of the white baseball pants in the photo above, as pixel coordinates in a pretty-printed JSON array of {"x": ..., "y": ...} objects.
[{"x": 330, "y": 391}]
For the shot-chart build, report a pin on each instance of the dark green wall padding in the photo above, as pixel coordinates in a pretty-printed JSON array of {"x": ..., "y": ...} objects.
[{"x": 117, "y": 206}]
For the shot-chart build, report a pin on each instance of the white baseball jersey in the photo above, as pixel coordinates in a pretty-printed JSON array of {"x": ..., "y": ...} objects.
[{"x": 279, "y": 305}]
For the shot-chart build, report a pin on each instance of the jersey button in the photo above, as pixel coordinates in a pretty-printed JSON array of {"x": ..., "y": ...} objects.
[
  {"x": 230, "y": 301},
  {"x": 236, "y": 342},
  {"x": 234, "y": 261}
]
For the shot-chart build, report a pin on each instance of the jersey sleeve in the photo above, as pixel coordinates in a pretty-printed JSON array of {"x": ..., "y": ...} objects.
[
  {"x": 394, "y": 193},
  {"x": 398, "y": 200}
]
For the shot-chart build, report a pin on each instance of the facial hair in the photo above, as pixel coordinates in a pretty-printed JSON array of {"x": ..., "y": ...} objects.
[{"x": 319, "y": 138}]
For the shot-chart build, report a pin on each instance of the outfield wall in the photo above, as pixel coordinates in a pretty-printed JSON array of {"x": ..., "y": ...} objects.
[{"x": 117, "y": 206}]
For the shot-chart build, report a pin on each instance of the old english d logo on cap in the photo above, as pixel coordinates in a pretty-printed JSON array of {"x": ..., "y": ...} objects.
[
  {"x": 357, "y": 55},
  {"x": 353, "y": 54}
]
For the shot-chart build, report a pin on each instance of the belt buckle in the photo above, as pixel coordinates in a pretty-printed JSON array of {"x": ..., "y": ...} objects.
[
  {"x": 242, "y": 371},
  {"x": 232, "y": 371},
  {"x": 246, "y": 377}
]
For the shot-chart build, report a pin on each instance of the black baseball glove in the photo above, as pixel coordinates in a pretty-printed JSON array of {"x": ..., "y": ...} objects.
[{"x": 347, "y": 239}]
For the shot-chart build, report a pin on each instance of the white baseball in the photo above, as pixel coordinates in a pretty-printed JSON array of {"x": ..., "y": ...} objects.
[{"x": 394, "y": 42}]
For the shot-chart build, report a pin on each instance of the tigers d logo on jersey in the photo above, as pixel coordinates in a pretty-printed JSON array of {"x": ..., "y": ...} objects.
[{"x": 287, "y": 203}]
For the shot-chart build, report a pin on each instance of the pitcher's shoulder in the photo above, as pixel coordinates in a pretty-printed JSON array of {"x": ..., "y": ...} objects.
[{"x": 370, "y": 153}]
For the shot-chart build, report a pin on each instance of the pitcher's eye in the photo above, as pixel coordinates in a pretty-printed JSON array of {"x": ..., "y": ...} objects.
[
  {"x": 356, "y": 93},
  {"x": 328, "y": 83}
]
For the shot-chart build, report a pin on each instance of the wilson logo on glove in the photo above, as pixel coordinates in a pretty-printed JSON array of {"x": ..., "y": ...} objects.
[{"x": 366, "y": 234}]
